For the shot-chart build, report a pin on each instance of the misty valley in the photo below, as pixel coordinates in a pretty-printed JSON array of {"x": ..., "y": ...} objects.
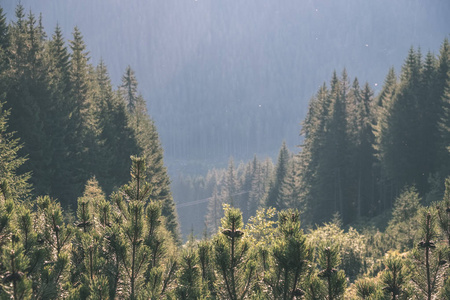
[{"x": 268, "y": 151}]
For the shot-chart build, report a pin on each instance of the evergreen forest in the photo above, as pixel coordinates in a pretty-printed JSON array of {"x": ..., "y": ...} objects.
[{"x": 87, "y": 211}]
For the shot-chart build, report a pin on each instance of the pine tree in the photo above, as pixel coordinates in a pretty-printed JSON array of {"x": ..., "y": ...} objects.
[
  {"x": 142, "y": 242},
  {"x": 368, "y": 289},
  {"x": 329, "y": 260},
  {"x": 361, "y": 148},
  {"x": 128, "y": 89},
  {"x": 428, "y": 264},
  {"x": 313, "y": 130},
  {"x": 235, "y": 267},
  {"x": 54, "y": 239},
  {"x": 4, "y": 47},
  {"x": 190, "y": 286},
  {"x": 206, "y": 263},
  {"x": 401, "y": 142},
  {"x": 15, "y": 284},
  {"x": 394, "y": 278},
  {"x": 290, "y": 258},
  {"x": 289, "y": 191}
]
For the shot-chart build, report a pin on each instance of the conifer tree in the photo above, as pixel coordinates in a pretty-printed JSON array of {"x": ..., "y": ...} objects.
[
  {"x": 55, "y": 238},
  {"x": 428, "y": 264},
  {"x": 84, "y": 127},
  {"x": 128, "y": 89},
  {"x": 401, "y": 142},
  {"x": 383, "y": 136},
  {"x": 63, "y": 163},
  {"x": 4, "y": 47},
  {"x": 12, "y": 183},
  {"x": 15, "y": 284},
  {"x": 281, "y": 172},
  {"x": 443, "y": 89},
  {"x": 257, "y": 187},
  {"x": 206, "y": 263},
  {"x": 289, "y": 191},
  {"x": 149, "y": 147},
  {"x": 189, "y": 284},
  {"x": 329, "y": 260},
  {"x": 394, "y": 278},
  {"x": 142, "y": 243},
  {"x": 362, "y": 139},
  {"x": 235, "y": 267},
  {"x": 116, "y": 138},
  {"x": 368, "y": 289},
  {"x": 290, "y": 258},
  {"x": 215, "y": 212},
  {"x": 27, "y": 96}
]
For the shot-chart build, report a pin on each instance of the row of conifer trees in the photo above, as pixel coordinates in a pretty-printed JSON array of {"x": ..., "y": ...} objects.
[
  {"x": 72, "y": 123},
  {"x": 359, "y": 149},
  {"x": 119, "y": 248}
]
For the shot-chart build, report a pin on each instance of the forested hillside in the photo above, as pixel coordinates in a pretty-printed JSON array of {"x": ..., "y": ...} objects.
[
  {"x": 73, "y": 125},
  {"x": 359, "y": 151},
  {"x": 233, "y": 78}
]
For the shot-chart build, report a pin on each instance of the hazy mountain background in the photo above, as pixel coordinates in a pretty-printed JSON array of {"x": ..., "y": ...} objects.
[{"x": 233, "y": 78}]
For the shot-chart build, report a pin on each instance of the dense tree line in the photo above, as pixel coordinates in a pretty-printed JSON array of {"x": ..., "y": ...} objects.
[
  {"x": 359, "y": 151},
  {"x": 119, "y": 247},
  {"x": 72, "y": 123}
]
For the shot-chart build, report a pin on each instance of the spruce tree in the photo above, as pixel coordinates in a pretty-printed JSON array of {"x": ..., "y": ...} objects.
[
  {"x": 281, "y": 172},
  {"x": 12, "y": 183},
  {"x": 27, "y": 96},
  {"x": 443, "y": 89},
  {"x": 150, "y": 148},
  {"x": 84, "y": 127},
  {"x": 63, "y": 128},
  {"x": 116, "y": 138}
]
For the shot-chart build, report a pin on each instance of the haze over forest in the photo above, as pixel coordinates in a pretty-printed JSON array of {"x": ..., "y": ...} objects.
[
  {"x": 147, "y": 150},
  {"x": 229, "y": 78}
]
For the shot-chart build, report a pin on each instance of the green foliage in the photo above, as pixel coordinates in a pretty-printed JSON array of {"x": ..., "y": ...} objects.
[
  {"x": 428, "y": 265},
  {"x": 233, "y": 258},
  {"x": 281, "y": 172},
  {"x": 329, "y": 260},
  {"x": 290, "y": 258},
  {"x": 394, "y": 278},
  {"x": 14, "y": 262},
  {"x": 350, "y": 245},
  {"x": 260, "y": 228},
  {"x": 403, "y": 228},
  {"x": 12, "y": 183},
  {"x": 190, "y": 284},
  {"x": 368, "y": 289}
]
